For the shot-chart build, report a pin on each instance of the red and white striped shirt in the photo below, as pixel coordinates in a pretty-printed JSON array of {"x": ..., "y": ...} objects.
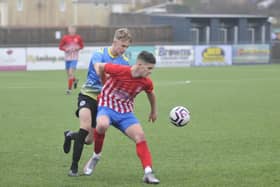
[
  {"x": 121, "y": 88},
  {"x": 71, "y": 44}
]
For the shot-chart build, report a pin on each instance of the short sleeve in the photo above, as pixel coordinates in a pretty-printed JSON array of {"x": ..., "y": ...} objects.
[
  {"x": 150, "y": 86},
  {"x": 96, "y": 57},
  {"x": 115, "y": 69}
]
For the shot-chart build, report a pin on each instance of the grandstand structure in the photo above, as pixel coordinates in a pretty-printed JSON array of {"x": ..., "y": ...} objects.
[{"x": 206, "y": 28}]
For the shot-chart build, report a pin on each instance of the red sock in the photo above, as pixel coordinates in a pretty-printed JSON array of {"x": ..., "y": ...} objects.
[
  {"x": 144, "y": 154},
  {"x": 70, "y": 83},
  {"x": 98, "y": 141}
]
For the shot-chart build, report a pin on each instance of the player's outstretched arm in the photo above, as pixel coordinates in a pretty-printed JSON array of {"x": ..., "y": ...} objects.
[
  {"x": 99, "y": 68},
  {"x": 152, "y": 99}
]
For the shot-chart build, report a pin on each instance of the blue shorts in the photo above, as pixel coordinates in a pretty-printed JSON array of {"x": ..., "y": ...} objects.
[
  {"x": 71, "y": 64},
  {"x": 119, "y": 120}
]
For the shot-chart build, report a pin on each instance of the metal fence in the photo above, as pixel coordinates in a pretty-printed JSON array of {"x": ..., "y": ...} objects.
[{"x": 150, "y": 35}]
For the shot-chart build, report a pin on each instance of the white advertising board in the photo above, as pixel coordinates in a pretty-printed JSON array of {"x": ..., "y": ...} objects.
[
  {"x": 174, "y": 56},
  {"x": 51, "y": 58},
  {"x": 12, "y": 59},
  {"x": 45, "y": 58}
]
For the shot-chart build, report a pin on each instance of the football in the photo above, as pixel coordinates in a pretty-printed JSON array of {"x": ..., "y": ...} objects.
[{"x": 179, "y": 116}]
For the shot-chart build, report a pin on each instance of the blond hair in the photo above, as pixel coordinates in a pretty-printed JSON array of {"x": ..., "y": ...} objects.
[{"x": 123, "y": 34}]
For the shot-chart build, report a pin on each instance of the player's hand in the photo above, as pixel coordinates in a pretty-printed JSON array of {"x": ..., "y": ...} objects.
[
  {"x": 68, "y": 50},
  {"x": 152, "y": 117},
  {"x": 76, "y": 49}
]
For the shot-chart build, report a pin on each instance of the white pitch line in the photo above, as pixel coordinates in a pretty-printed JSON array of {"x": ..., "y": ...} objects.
[
  {"x": 157, "y": 83},
  {"x": 186, "y": 82}
]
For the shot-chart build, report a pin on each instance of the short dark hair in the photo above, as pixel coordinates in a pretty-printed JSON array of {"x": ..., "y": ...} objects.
[{"x": 147, "y": 57}]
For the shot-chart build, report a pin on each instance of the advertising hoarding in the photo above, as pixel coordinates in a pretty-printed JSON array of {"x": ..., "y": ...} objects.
[
  {"x": 247, "y": 54},
  {"x": 12, "y": 59},
  {"x": 174, "y": 56},
  {"x": 213, "y": 55}
]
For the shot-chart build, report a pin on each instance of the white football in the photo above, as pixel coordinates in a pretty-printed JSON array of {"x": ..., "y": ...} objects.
[{"x": 179, "y": 116}]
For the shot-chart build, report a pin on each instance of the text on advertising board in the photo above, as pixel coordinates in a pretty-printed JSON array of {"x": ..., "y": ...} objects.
[{"x": 213, "y": 54}]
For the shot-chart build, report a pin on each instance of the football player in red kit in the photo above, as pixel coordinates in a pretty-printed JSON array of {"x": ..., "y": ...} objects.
[
  {"x": 116, "y": 104},
  {"x": 71, "y": 44}
]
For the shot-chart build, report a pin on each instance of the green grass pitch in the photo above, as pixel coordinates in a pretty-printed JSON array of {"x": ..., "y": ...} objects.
[{"x": 232, "y": 139}]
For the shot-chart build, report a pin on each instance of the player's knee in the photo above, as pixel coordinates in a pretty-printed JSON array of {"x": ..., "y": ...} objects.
[
  {"x": 139, "y": 137},
  {"x": 85, "y": 118},
  {"x": 70, "y": 74},
  {"x": 103, "y": 124}
]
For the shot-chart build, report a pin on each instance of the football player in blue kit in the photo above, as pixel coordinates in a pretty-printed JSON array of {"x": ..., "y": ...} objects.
[{"x": 87, "y": 99}]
